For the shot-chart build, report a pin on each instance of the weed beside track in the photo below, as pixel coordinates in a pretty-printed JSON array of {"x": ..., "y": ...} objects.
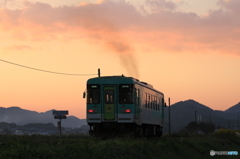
[{"x": 87, "y": 147}]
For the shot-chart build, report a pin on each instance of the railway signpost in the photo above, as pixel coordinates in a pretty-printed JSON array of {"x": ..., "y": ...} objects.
[
  {"x": 60, "y": 112},
  {"x": 60, "y": 115}
]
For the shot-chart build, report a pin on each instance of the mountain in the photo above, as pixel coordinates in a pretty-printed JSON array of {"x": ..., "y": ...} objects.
[
  {"x": 21, "y": 117},
  {"x": 234, "y": 109},
  {"x": 184, "y": 112}
]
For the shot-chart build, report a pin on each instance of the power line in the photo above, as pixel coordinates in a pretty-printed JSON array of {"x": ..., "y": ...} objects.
[{"x": 47, "y": 70}]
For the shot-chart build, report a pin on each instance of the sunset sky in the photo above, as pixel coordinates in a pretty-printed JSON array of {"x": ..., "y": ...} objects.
[{"x": 187, "y": 49}]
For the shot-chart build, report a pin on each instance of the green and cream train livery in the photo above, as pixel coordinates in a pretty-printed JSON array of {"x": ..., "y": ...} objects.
[{"x": 119, "y": 104}]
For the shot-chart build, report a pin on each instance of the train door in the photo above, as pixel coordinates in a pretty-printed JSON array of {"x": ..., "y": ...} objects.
[
  {"x": 137, "y": 104},
  {"x": 109, "y": 105}
]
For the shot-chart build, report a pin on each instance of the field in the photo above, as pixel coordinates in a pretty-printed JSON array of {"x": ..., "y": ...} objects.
[{"x": 175, "y": 146}]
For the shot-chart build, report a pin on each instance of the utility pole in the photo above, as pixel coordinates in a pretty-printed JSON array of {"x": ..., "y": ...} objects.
[
  {"x": 99, "y": 74},
  {"x": 238, "y": 122},
  {"x": 195, "y": 116},
  {"x": 169, "y": 117},
  {"x": 196, "y": 119},
  {"x": 60, "y": 127},
  {"x": 210, "y": 124},
  {"x": 199, "y": 120}
]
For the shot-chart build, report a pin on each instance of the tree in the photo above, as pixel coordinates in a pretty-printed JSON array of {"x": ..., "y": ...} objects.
[
  {"x": 7, "y": 131},
  {"x": 207, "y": 127},
  {"x": 192, "y": 127},
  {"x": 7, "y": 125}
]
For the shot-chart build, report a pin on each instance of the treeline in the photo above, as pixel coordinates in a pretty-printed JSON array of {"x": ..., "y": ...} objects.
[
  {"x": 201, "y": 127},
  {"x": 32, "y": 128},
  {"x": 10, "y": 128}
]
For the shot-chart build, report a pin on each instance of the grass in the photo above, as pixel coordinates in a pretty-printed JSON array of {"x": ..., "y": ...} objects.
[{"x": 86, "y": 147}]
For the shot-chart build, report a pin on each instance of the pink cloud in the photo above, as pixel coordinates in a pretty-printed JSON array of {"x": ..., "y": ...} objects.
[
  {"x": 160, "y": 5},
  {"x": 114, "y": 22},
  {"x": 230, "y": 5}
]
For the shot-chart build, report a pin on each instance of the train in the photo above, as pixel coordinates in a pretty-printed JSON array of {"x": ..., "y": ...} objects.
[{"x": 119, "y": 104}]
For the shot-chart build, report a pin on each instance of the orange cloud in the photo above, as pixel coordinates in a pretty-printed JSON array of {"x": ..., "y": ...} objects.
[
  {"x": 107, "y": 21},
  {"x": 19, "y": 47}
]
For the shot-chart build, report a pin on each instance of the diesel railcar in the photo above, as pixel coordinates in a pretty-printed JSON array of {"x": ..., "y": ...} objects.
[{"x": 119, "y": 104}]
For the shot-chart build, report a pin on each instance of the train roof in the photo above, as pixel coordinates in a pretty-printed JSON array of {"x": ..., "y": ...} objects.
[{"x": 121, "y": 79}]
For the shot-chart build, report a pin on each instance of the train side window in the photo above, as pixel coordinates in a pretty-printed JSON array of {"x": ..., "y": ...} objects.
[
  {"x": 137, "y": 96},
  {"x": 149, "y": 101},
  {"x": 162, "y": 105},
  {"x": 158, "y": 102},
  {"x": 145, "y": 99},
  {"x": 155, "y": 103},
  {"x": 139, "y": 99},
  {"x": 152, "y": 102}
]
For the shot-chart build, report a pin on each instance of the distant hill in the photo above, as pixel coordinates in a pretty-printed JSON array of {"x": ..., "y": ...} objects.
[
  {"x": 184, "y": 112},
  {"x": 21, "y": 117},
  {"x": 234, "y": 109}
]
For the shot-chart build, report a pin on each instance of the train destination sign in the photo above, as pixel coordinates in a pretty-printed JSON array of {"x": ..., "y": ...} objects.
[{"x": 61, "y": 112}]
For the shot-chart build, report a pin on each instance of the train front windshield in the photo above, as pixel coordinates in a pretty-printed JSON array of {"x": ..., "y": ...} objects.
[
  {"x": 93, "y": 94},
  {"x": 126, "y": 93}
]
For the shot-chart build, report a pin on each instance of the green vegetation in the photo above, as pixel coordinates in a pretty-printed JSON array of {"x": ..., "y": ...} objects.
[
  {"x": 86, "y": 147},
  {"x": 205, "y": 127}
]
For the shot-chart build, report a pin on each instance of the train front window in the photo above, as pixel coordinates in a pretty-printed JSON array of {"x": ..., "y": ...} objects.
[
  {"x": 126, "y": 94},
  {"x": 109, "y": 96},
  {"x": 93, "y": 94}
]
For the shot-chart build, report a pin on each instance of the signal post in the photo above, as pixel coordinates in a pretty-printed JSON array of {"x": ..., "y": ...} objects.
[{"x": 60, "y": 115}]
